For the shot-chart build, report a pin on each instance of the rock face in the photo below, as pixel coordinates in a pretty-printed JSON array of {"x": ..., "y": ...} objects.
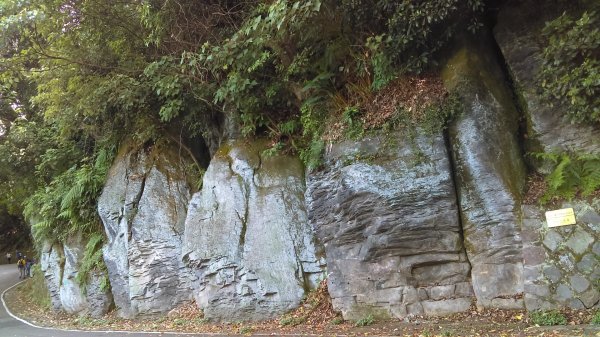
[
  {"x": 60, "y": 265},
  {"x": 143, "y": 207},
  {"x": 51, "y": 265},
  {"x": 385, "y": 210},
  {"x": 489, "y": 174},
  {"x": 562, "y": 264},
  {"x": 72, "y": 297},
  {"x": 99, "y": 299},
  {"x": 247, "y": 238},
  {"x": 518, "y": 34},
  {"x": 406, "y": 223}
]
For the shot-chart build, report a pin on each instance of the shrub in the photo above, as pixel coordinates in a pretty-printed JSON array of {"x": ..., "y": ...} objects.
[
  {"x": 571, "y": 65},
  {"x": 337, "y": 321},
  {"x": 571, "y": 175},
  {"x": 545, "y": 318},
  {"x": 365, "y": 321}
]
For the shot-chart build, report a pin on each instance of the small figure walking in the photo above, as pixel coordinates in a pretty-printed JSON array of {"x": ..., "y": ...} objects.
[
  {"x": 28, "y": 264},
  {"x": 8, "y": 257},
  {"x": 21, "y": 265}
]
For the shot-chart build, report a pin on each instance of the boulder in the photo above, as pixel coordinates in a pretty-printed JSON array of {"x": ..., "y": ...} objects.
[
  {"x": 489, "y": 171},
  {"x": 143, "y": 207},
  {"x": 385, "y": 210},
  {"x": 247, "y": 237}
]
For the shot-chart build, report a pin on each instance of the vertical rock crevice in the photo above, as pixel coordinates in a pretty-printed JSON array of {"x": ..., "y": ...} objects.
[
  {"x": 560, "y": 263},
  {"x": 489, "y": 172}
]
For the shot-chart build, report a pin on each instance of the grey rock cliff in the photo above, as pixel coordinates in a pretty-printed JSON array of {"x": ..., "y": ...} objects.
[
  {"x": 60, "y": 265},
  {"x": 518, "y": 34},
  {"x": 143, "y": 207},
  {"x": 247, "y": 237},
  {"x": 490, "y": 174},
  {"x": 560, "y": 263},
  {"x": 51, "y": 265},
  {"x": 385, "y": 210},
  {"x": 72, "y": 297}
]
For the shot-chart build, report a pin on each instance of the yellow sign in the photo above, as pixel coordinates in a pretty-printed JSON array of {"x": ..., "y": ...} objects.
[{"x": 560, "y": 217}]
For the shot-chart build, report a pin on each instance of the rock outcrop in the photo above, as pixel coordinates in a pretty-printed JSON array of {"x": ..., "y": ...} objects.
[
  {"x": 246, "y": 235},
  {"x": 61, "y": 265},
  {"x": 560, "y": 263},
  {"x": 401, "y": 222},
  {"x": 490, "y": 173},
  {"x": 143, "y": 207},
  {"x": 71, "y": 295},
  {"x": 518, "y": 33},
  {"x": 385, "y": 210},
  {"x": 51, "y": 264}
]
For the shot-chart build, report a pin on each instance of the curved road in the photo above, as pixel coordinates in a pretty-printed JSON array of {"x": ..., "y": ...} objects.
[{"x": 12, "y": 327}]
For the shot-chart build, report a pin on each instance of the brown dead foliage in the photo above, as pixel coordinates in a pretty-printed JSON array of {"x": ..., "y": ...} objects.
[
  {"x": 536, "y": 187},
  {"x": 316, "y": 316},
  {"x": 316, "y": 309},
  {"x": 411, "y": 94},
  {"x": 188, "y": 310}
]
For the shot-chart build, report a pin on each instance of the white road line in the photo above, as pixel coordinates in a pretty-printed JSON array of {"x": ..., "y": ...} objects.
[
  {"x": 93, "y": 331},
  {"x": 122, "y": 331}
]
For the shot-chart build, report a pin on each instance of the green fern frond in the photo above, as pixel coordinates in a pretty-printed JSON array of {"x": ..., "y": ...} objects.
[
  {"x": 92, "y": 259},
  {"x": 591, "y": 179},
  {"x": 556, "y": 179},
  {"x": 572, "y": 174}
]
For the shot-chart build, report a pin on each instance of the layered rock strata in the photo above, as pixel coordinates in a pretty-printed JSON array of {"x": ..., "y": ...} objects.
[
  {"x": 385, "y": 210},
  {"x": 61, "y": 265}
]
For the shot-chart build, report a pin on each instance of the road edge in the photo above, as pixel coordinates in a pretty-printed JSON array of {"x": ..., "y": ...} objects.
[{"x": 24, "y": 321}]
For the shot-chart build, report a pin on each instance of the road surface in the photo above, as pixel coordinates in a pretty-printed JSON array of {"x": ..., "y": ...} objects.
[{"x": 13, "y": 327}]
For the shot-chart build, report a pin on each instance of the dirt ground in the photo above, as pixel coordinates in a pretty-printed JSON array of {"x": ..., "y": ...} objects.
[{"x": 316, "y": 317}]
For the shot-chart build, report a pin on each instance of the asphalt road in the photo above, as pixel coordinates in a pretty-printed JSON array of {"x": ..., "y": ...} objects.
[{"x": 12, "y": 327}]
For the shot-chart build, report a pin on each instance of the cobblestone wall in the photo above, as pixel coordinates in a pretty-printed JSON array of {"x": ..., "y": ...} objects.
[{"x": 562, "y": 264}]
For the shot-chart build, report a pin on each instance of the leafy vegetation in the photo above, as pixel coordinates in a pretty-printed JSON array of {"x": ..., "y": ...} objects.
[
  {"x": 546, "y": 318},
  {"x": 570, "y": 72},
  {"x": 92, "y": 261},
  {"x": 596, "y": 318},
  {"x": 570, "y": 175},
  {"x": 78, "y": 78},
  {"x": 365, "y": 321}
]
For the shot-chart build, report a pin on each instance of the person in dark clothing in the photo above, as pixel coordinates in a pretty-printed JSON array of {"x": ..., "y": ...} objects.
[{"x": 28, "y": 264}]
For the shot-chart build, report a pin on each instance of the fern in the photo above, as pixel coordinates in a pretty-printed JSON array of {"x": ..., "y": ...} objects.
[
  {"x": 68, "y": 204},
  {"x": 572, "y": 175},
  {"x": 591, "y": 175},
  {"x": 92, "y": 260}
]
